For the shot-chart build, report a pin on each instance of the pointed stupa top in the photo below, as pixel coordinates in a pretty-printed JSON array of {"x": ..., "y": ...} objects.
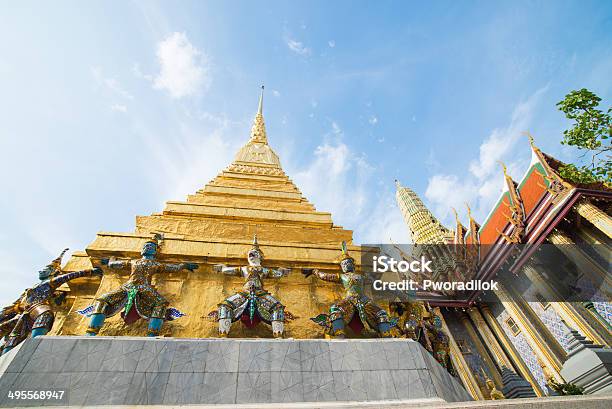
[
  {"x": 424, "y": 227},
  {"x": 258, "y": 130},
  {"x": 257, "y": 152}
]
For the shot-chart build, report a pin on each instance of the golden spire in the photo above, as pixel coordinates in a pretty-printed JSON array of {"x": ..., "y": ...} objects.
[
  {"x": 424, "y": 227},
  {"x": 258, "y": 130},
  {"x": 257, "y": 152}
]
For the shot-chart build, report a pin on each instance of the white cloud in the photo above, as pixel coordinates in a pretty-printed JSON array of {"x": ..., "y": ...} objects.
[
  {"x": 384, "y": 223},
  {"x": 331, "y": 43},
  {"x": 346, "y": 192},
  {"x": 446, "y": 191},
  {"x": 501, "y": 140},
  {"x": 336, "y": 130},
  {"x": 276, "y": 93},
  {"x": 184, "y": 69},
  {"x": 119, "y": 108},
  {"x": 139, "y": 74},
  {"x": 297, "y": 47},
  {"x": 484, "y": 183},
  {"x": 181, "y": 170},
  {"x": 110, "y": 83},
  {"x": 373, "y": 120}
]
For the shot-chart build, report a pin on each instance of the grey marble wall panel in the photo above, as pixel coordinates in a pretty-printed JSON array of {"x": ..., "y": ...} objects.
[{"x": 167, "y": 371}]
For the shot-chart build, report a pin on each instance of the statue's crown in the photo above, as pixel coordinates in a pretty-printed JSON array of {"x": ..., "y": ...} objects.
[
  {"x": 256, "y": 246},
  {"x": 56, "y": 263},
  {"x": 157, "y": 239},
  {"x": 345, "y": 254}
]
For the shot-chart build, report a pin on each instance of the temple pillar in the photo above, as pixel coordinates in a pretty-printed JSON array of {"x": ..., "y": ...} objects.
[
  {"x": 584, "y": 263},
  {"x": 541, "y": 340},
  {"x": 459, "y": 363},
  {"x": 594, "y": 239},
  {"x": 482, "y": 350},
  {"x": 573, "y": 313},
  {"x": 497, "y": 352},
  {"x": 595, "y": 216},
  {"x": 591, "y": 308},
  {"x": 515, "y": 357}
]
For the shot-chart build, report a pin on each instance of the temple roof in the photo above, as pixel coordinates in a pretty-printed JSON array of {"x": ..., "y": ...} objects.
[{"x": 514, "y": 206}]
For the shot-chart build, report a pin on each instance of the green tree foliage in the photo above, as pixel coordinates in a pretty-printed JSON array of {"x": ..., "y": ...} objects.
[
  {"x": 592, "y": 133},
  {"x": 566, "y": 388}
]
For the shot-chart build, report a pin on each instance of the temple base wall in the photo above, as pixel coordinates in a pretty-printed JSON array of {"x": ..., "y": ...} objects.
[{"x": 169, "y": 371}]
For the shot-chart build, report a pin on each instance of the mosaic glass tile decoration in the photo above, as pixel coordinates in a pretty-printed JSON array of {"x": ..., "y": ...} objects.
[
  {"x": 603, "y": 307},
  {"x": 524, "y": 350},
  {"x": 550, "y": 319}
]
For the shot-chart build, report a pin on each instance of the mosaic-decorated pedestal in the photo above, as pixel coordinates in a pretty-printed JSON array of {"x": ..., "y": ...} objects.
[{"x": 126, "y": 370}]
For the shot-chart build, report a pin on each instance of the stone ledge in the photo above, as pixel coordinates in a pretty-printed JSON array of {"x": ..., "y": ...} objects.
[
  {"x": 566, "y": 402},
  {"x": 169, "y": 371}
]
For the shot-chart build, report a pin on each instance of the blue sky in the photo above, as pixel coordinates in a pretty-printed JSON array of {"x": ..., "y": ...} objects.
[{"x": 110, "y": 109}]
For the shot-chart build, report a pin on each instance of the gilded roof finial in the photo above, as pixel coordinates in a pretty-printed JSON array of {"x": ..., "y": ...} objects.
[
  {"x": 504, "y": 168},
  {"x": 468, "y": 209},
  {"x": 531, "y": 140},
  {"x": 456, "y": 215},
  {"x": 258, "y": 130}
]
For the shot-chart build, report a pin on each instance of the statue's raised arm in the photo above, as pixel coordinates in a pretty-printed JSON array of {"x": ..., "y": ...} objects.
[
  {"x": 332, "y": 277},
  {"x": 175, "y": 268},
  {"x": 34, "y": 313},
  {"x": 115, "y": 264},
  {"x": 276, "y": 272},
  {"x": 223, "y": 269},
  {"x": 137, "y": 297},
  {"x": 356, "y": 309}
]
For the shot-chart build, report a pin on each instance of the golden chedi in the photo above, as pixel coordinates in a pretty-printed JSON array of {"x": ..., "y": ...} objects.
[{"x": 213, "y": 226}]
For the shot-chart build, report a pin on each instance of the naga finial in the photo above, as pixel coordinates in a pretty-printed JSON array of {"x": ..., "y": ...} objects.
[
  {"x": 455, "y": 213},
  {"x": 504, "y": 168},
  {"x": 531, "y": 140}
]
